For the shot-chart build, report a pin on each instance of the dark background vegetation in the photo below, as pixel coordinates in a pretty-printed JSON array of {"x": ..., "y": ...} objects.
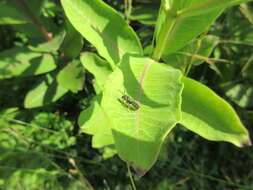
[{"x": 42, "y": 148}]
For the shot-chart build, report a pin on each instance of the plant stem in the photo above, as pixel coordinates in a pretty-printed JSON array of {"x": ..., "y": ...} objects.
[
  {"x": 131, "y": 177},
  {"x": 166, "y": 29},
  {"x": 128, "y": 8},
  {"x": 34, "y": 20},
  {"x": 247, "y": 65}
]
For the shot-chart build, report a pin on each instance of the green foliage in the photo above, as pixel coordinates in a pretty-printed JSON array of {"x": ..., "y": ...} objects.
[
  {"x": 72, "y": 77},
  {"x": 138, "y": 134},
  {"x": 103, "y": 27},
  {"x": 27, "y": 150},
  {"x": 82, "y": 81},
  {"x": 21, "y": 61},
  {"x": 218, "y": 121},
  {"x": 45, "y": 91}
]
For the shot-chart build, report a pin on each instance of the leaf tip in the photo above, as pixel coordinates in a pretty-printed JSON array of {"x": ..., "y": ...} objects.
[
  {"x": 139, "y": 171},
  {"x": 246, "y": 143}
]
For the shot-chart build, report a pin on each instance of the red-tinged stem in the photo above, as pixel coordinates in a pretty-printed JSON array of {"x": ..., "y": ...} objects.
[{"x": 34, "y": 20}]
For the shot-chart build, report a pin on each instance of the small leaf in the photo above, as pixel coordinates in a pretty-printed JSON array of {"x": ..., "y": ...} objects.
[
  {"x": 94, "y": 121},
  {"x": 145, "y": 13},
  {"x": 73, "y": 42},
  {"x": 211, "y": 117},
  {"x": 50, "y": 46},
  {"x": 156, "y": 89},
  {"x": 45, "y": 92},
  {"x": 100, "y": 68},
  {"x": 72, "y": 76},
  {"x": 241, "y": 94},
  {"x": 103, "y": 27},
  {"x": 21, "y": 61}
]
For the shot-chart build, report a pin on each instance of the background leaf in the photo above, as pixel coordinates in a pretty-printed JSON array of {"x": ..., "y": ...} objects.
[
  {"x": 72, "y": 76},
  {"x": 45, "y": 92},
  {"x": 20, "y": 61},
  {"x": 50, "y": 46},
  {"x": 72, "y": 43},
  {"x": 241, "y": 94},
  {"x": 145, "y": 13}
]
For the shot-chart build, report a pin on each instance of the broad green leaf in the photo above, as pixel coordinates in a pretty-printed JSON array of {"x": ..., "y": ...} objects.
[
  {"x": 211, "y": 117},
  {"x": 195, "y": 52},
  {"x": 100, "y": 68},
  {"x": 103, "y": 27},
  {"x": 241, "y": 94},
  {"x": 73, "y": 42},
  {"x": 156, "y": 90},
  {"x": 20, "y": 61},
  {"x": 50, "y": 46},
  {"x": 94, "y": 121},
  {"x": 44, "y": 92},
  {"x": 72, "y": 76}
]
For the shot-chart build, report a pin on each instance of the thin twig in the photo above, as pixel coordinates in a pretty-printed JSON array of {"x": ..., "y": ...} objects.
[
  {"x": 131, "y": 177},
  {"x": 235, "y": 42},
  {"x": 206, "y": 59},
  {"x": 34, "y": 20},
  {"x": 247, "y": 65}
]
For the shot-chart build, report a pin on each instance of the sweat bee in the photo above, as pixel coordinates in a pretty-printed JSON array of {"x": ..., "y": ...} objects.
[{"x": 130, "y": 102}]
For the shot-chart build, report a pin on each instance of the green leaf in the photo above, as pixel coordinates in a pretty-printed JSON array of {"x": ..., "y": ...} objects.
[
  {"x": 100, "y": 68},
  {"x": 50, "y": 46},
  {"x": 44, "y": 92},
  {"x": 211, "y": 117},
  {"x": 73, "y": 42},
  {"x": 139, "y": 131},
  {"x": 94, "y": 121},
  {"x": 72, "y": 76},
  {"x": 241, "y": 94},
  {"x": 145, "y": 13},
  {"x": 20, "y": 61},
  {"x": 103, "y": 27}
]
